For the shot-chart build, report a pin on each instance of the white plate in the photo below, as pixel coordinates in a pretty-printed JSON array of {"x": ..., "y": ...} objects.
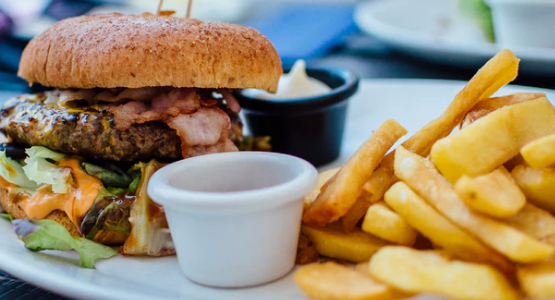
[
  {"x": 411, "y": 102},
  {"x": 435, "y": 31}
]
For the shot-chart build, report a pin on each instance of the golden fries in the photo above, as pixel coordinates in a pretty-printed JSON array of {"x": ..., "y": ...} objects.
[
  {"x": 338, "y": 196},
  {"x": 539, "y": 154},
  {"x": 497, "y": 72},
  {"x": 384, "y": 223},
  {"x": 483, "y": 146},
  {"x": 331, "y": 281},
  {"x": 466, "y": 213},
  {"x": 420, "y": 174},
  {"x": 537, "y": 185},
  {"x": 538, "y": 280},
  {"x": 441, "y": 231},
  {"x": 363, "y": 268},
  {"x": 322, "y": 179},
  {"x": 535, "y": 222},
  {"x": 356, "y": 246},
  {"x": 378, "y": 184},
  {"x": 416, "y": 271},
  {"x": 487, "y": 106},
  {"x": 494, "y": 194}
]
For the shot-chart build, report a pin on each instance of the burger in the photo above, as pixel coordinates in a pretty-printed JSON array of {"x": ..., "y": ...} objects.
[{"x": 130, "y": 93}]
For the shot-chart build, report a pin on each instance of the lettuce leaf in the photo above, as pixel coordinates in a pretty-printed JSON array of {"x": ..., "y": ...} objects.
[
  {"x": 43, "y": 152},
  {"x": 41, "y": 235},
  {"x": 110, "y": 175},
  {"x": 13, "y": 172},
  {"x": 6, "y": 216},
  {"x": 39, "y": 169}
]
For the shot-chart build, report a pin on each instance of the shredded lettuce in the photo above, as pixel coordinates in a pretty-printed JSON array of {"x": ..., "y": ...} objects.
[
  {"x": 49, "y": 235},
  {"x": 13, "y": 172},
  {"x": 39, "y": 169}
]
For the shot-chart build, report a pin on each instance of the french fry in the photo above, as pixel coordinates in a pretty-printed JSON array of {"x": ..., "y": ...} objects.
[
  {"x": 497, "y": 72},
  {"x": 363, "y": 267},
  {"x": 416, "y": 271},
  {"x": 537, "y": 185},
  {"x": 323, "y": 177},
  {"x": 538, "y": 280},
  {"x": 440, "y": 230},
  {"x": 332, "y": 281},
  {"x": 380, "y": 185},
  {"x": 339, "y": 195},
  {"x": 422, "y": 177},
  {"x": 540, "y": 154},
  {"x": 535, "y": 222},
  {"x": 384, "y": 223},
  {"x": 494, "y": 194},
  {"x": 356, "y": 246},
  {"x": 487, "y": 106},
  {"x": 483, "y": 146}
]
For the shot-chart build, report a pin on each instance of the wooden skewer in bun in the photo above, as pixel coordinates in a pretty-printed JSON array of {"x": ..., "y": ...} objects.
[
  {"x": 159, "y": 7},
  {"x": 190, "y": 3}
]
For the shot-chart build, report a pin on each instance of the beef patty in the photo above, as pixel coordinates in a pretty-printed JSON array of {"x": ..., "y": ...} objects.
[{"x": 85, "y": 131}]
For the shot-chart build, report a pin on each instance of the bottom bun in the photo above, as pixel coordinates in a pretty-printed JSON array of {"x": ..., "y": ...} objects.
[{"x": 103, "y": 237}]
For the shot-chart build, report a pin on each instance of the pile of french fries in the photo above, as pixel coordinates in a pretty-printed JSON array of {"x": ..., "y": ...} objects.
[{"x": 464, "y": 215}]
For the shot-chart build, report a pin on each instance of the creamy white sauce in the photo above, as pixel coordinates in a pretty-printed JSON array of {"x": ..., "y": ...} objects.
[{"x": 295, "y": 84}]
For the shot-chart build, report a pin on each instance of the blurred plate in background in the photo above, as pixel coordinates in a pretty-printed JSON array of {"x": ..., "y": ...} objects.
[
  {"x": 434, "y": 30},
  {"x": 233, "y": 11}
]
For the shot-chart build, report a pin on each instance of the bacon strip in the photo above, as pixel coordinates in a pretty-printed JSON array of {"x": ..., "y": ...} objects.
[
  {"x": 203, "y": 132},
  {"x": 177, "y": 101},
  {"x": 130, "y": 113},
  {"x": 201, "y": 125},
  {"x": 162, "y": 108}
]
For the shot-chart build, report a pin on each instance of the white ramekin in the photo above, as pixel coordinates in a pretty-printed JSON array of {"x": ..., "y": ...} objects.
[
  {"x": 234, "y": 217},
  {"x": 523, "y": 23}
]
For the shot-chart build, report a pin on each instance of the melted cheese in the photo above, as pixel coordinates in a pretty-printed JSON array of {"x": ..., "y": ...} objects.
[
  {"x": 76, "y": 203},
  {"x": 88, "y": 188},
  {"x": 37, "y": 207},
  {"x": 6, "y": 184}
]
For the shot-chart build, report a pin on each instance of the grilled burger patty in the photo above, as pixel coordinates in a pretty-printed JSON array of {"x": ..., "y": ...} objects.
[{"x": 86, "y": 132}]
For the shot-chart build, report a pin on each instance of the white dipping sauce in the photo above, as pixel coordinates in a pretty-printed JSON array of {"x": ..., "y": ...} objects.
[{"x": 295, "y": 84}]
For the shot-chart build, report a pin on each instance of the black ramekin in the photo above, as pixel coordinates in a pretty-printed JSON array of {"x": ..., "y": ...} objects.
[{"x": 312, "y": 127}]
